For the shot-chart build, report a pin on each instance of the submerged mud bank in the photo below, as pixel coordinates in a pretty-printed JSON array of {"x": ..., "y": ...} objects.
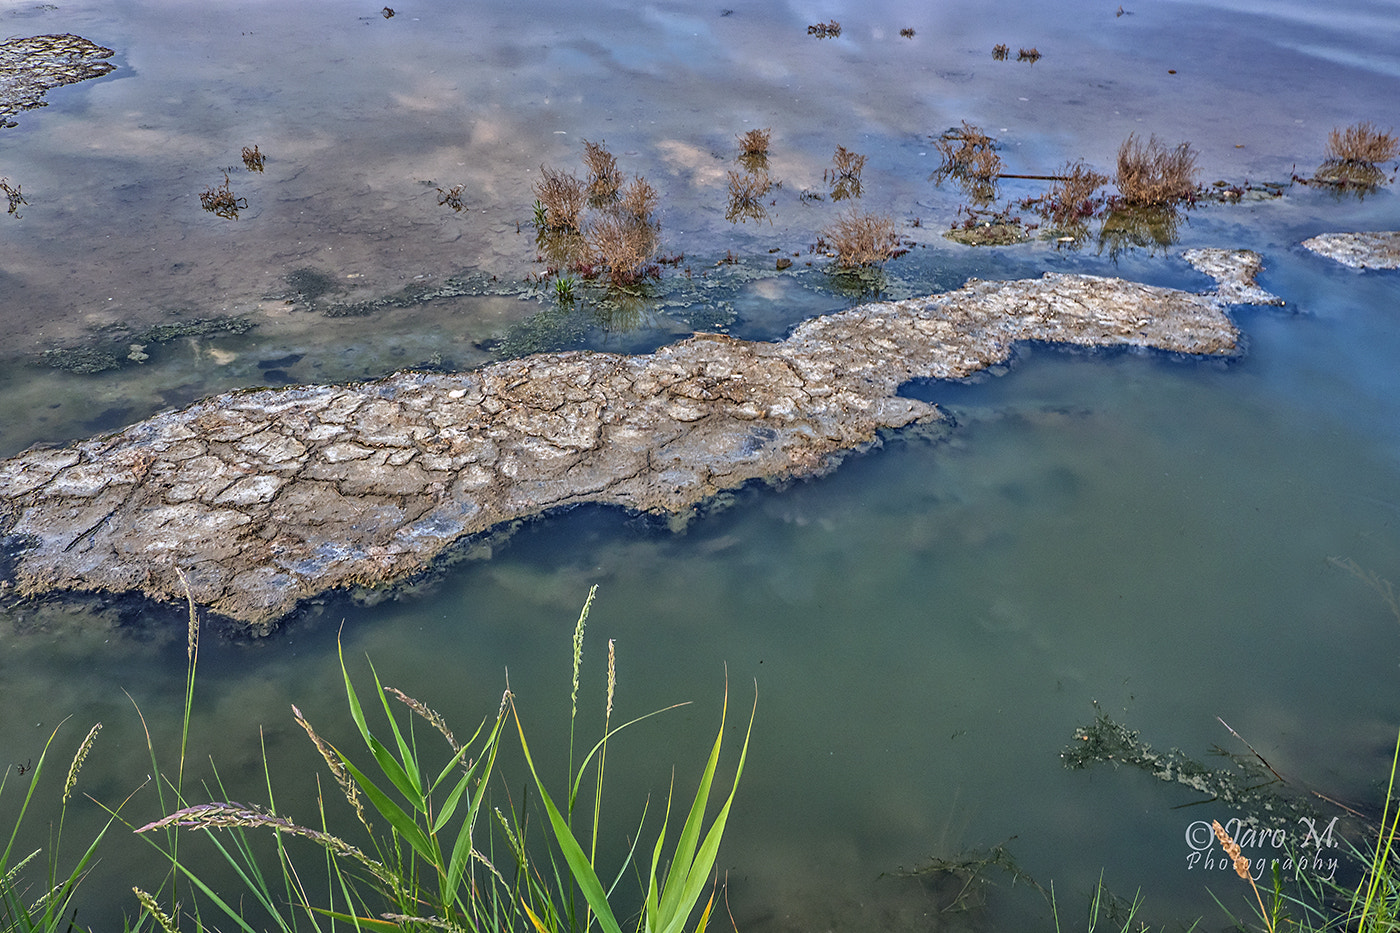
[{"x": 267, "y": 497}]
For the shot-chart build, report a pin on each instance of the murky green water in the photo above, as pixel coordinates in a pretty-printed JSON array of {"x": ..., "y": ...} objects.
[{"x": 929, "y": 623}]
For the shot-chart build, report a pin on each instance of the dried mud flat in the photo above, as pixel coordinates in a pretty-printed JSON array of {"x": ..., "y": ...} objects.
[
  {"x": 266, "y": 497},
  {"x": 1378, "y": 250},
  {"x": 33, "y": 65}
]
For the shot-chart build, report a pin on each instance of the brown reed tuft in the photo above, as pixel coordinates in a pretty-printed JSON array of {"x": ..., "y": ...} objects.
[
  {"x": 1031, "y": 55},
  {"x": 1362, "y": 142},
  {"x": 253, "y": 159},
  {"x": 561, "y": 194},
  {"x": 1000, "y": 51},
  {"x": 1150, "y": 174},
  {"x": 336, "y": 766},
  {"x": 1070, "y": 200},
  {"x": 639, "y": 200},
  {"x": 861, "y": 239},
  {"x": 221, "y": 201},
  {"x": 754, "y": 142},
  {"x": 623, "y": 244},
  {"x": 603, "y": 176},
  {"x": 77, "y": 764}
]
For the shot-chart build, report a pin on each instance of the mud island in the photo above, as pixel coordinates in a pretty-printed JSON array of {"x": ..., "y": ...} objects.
[{"x": 267, "y": 497}]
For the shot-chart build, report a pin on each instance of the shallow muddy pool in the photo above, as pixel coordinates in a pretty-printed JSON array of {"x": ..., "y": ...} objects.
[{"x": 929, "y": 623}]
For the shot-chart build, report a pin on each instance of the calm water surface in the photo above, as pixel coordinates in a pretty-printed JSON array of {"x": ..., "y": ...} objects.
[{"x": 927, "y": 624}]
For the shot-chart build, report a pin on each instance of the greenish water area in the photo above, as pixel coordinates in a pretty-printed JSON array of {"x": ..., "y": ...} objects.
[{"x": 928, "y": 623}]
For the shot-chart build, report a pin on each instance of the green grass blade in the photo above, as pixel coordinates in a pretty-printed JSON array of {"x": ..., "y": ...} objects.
[
  {"x": 398, "y": 818},
  {"x": 574, "y": 857}
]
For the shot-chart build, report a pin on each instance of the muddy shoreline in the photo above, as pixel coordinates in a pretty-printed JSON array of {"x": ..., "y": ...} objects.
[{"x": 267, "y": 497}]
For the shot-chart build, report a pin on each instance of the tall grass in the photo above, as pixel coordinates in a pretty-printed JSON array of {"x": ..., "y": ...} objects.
[{"x": 429, "y": 846}]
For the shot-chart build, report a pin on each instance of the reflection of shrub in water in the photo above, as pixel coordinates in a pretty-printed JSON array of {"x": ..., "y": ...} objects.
[
  {"x": 746, "y": 193},
  {"x": 1151, "y": 175},
  {"x": 973, "y": 161},
  {"x": 844, "y": 174},
  {"x": 1070, "y": 201},
  {"x": 1145, "y": 227}
]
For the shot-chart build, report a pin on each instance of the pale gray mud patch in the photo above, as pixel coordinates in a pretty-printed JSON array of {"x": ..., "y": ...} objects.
[
  {"x": 1377, "y": 250},
  {"x": 31, "y": 66},
  {"x": 267, "y": 497}
]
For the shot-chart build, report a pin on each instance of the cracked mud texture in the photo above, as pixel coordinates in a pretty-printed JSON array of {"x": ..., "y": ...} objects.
[
  {"x": 1379, "y": 250},
  {"x": 33, "y": 65},
  {"x": 268, "y": 497}
]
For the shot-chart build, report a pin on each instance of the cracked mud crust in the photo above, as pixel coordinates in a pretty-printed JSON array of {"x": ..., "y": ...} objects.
[
  {"x": 1379, "y": 250},
  {"x": 267, "y": 497},
  {"x": 33, "y": 65}
]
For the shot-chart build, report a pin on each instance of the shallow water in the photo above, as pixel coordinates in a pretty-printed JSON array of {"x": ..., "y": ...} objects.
[{"x": 927, "y": 624}]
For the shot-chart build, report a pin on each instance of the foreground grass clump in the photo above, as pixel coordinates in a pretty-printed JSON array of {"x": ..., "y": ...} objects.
[
  {"x": 1152, "y": 175},
  {"x": 560, "y": 200},
  {"x": 859, "y": 238},
  {"x": 437, "y": 840}
]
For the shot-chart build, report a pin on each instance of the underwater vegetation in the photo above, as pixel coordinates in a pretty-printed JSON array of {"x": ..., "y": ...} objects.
[
  {"x": 221, "y": 201},
  {"x": 253, "y": 158},
  {"x": 13, "y": 195}
]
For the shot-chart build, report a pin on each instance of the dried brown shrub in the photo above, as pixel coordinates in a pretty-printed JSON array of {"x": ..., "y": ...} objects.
[
  {"x": 861, "y": 239},
  {"x": 746, "y": 192},
  {"x": 830, "y": 29},
  {"x": 1000, "y": 51},
  {"x": 253, "y": 159},
  {"x": 452, "y": 197},
  {"x": 1071, "y": 200},
  {"x": 1150, "y": 174},
  {"x": 755, "y": 142},
  {"x": 907, "y": 32},
  {"x": 639, "y": 200},
  {"x": 1363, "y": 142},
  {"x": 622, "y": 244},
  {"x": 1031, "y": 55},
  {"x": 561, "y": 193},
  {"x": 603, "y": 177}
]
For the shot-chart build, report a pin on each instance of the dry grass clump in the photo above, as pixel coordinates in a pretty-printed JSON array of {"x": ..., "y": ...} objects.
[
  {"x": 253, "y": 159},
  {"x": 1149, "y": 174},
  {"x": 12, "y": 193},
  {"x": 561, "y": 195},
  {"x": 639, "y": 199},
  {"x": 1071, "y": 200},
  {"x": 603, "y": 177},
  {"x": 746, "y": 193},
  {"x": 1031, "y": 55},
  {"x": 907, "y": 32},
  {"x": 1000, "y": 51},
  {"x": 755, "y": 142},
  {"x": 452, "y": 198},
  {"x": 831, "y": 29},
  {"x": 1363, "y": 142},
  {"x": 861, "y": 239},
  {"x": 623, "y": 245},
  {"x": 221, "y": 201}
]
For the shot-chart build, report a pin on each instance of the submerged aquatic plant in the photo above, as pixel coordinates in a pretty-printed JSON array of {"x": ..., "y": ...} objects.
[
  {"x": 253, "y": 159},
  {"x": 13, "y": 195},
  {"x": 221, "y": 201},
  {"x": 1152, "y": 175}
]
